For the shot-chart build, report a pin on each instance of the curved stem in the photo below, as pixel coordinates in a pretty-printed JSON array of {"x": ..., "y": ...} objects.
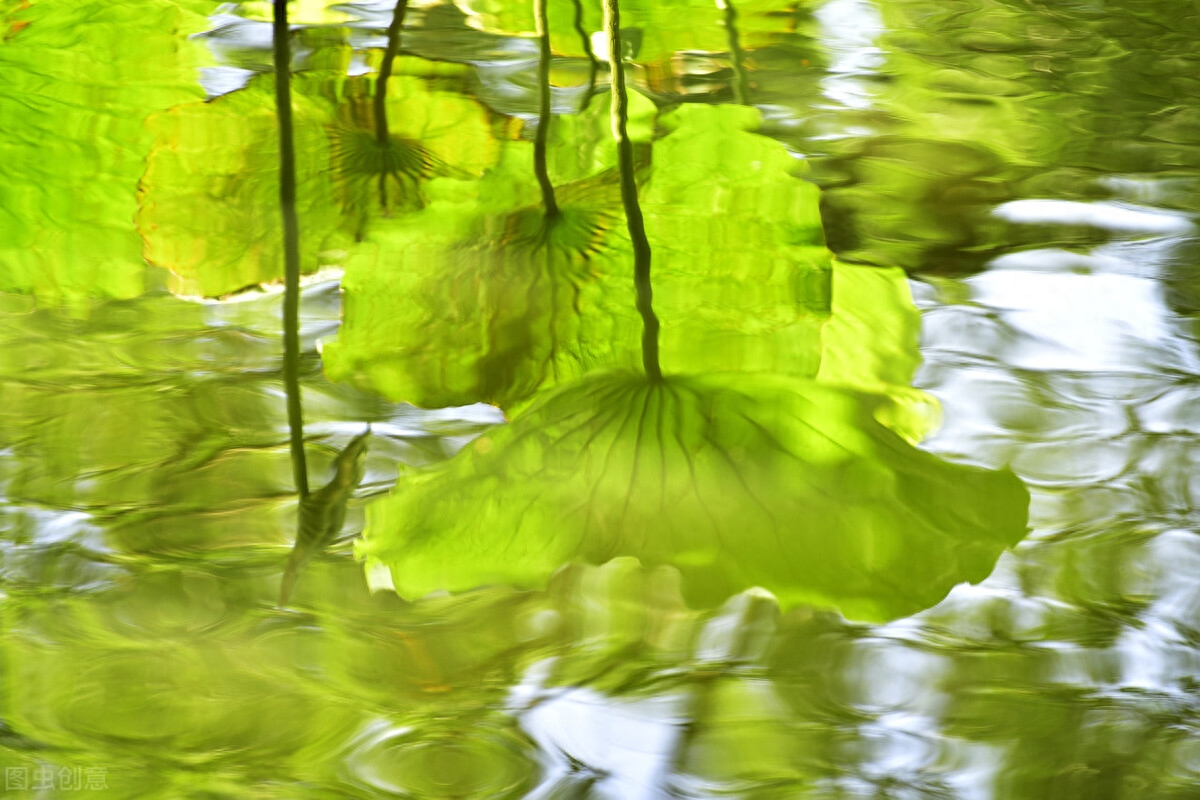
[
  {"x": 543, "y": 128},
  {"x": 385, "y": 72},
  {"x": 594, "y": 64},
  {"x": 379, "y": 101},
  {"x": 291, "y": 245},
  {"x": 629, "y": 196},
  {"x": 740, "y": 88}
]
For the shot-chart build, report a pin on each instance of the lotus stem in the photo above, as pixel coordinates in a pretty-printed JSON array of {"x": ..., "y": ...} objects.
[
  {"x": 291, "y": 244},
  {"x": 543, "y": 128},
  {"x": 740, "y": 89},
  {"x": 593, "y": 64},
  {"x": 379, "y": 101},
  {"x": 629, "y": 196},
  {"x": 385, "y": 72}
]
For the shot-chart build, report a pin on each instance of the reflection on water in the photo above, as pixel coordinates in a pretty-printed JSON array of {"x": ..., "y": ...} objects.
[{"x": 1034, "y": 168}]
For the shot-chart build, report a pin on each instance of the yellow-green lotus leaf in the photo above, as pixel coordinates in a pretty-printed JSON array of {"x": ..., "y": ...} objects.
[
  {"x": 77, "y": 81},
  {"x": 737, "y": 480}
]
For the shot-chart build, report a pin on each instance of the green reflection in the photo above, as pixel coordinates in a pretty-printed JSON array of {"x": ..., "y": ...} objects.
[
  {"x": 323, "y": 512},
  {"x": 629, "y": 194},
  {"x": 662, "y": 470},
  {"x": 543, "y": 127},
  {"x": 281, "y": 34},
  {"x": 146, "y": 490},
  {"x": 967, "y": 112},
  {"x": 828, "y": 506},
  {"x": 208, "y": 208},
  {"x": 476, "y": 296},
  {"x": 737, "y": 57},
  {"x": 80, "y": 80}
]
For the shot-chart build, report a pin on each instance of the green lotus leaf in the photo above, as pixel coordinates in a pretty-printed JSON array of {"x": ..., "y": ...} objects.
[
  {"x": 480, "y": 298},
  {"x": 456, "y": 305},
  {"x": 210, "y": 195},
  {"x": 209, "y": 201},
  {"x": 475, "y": 297},
  {"x": 736, "y": 480},
  {"x": 430, "y": 133},
  {"x": 741, "y": 272},
  {"x": 79, "y": 79},
  {"x": 870, "y": 343}
]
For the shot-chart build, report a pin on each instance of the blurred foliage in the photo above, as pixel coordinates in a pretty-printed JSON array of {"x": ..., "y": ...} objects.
[
  {"x": 653, "y": 31},
  {"x": 80, "y": 77},
  {"x": 476, "y": 296},
  {"x": 461, "y": 288},
  {"x": 210, "y": 193},
  {"x": 985, "y": 101},
  {"x": 830, "y": 501},
  {"x": 300, "y": 12},
  {"x": 146, "y": 506},
  {"x": 471, "y": 301},
  {"x": 323, "y": 512}
]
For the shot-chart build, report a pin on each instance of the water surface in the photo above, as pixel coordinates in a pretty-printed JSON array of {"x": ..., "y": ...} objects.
[{"x": 1034, "y": 170}]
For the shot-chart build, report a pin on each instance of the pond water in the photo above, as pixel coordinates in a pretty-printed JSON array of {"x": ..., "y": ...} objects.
[{"x": 1011, "y": 191}]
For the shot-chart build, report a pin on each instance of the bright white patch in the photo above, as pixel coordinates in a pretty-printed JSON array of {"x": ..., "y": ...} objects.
[
  {"x": 629, "y": 742},
  {"x": 849, "y": 29},
  {"x": 1116, "y": 217},
  {"x": 1077, "y": 322},
  {"x": 217, "y": 81}
]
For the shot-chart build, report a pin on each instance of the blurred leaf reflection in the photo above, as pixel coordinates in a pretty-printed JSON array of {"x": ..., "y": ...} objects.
[{"x": 147, "y": 501}]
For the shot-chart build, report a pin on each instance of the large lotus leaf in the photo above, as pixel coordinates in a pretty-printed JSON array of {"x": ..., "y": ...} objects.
[
  {"x": 210, "y": 194},
  {"x": 476, "y": 296},
  {"x": 474, "y": 301},
  {"x": 653, "y": 30},
  {"x": 79, "y": 79},
  {"x": 736, "y": 480},
  {"x": 209, "y": 203}
]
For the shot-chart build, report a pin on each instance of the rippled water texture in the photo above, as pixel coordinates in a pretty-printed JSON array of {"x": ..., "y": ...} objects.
[{"x": 1010, "y": 190}]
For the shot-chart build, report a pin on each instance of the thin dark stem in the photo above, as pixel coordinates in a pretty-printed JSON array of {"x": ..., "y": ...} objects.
[
  {"x": 385, "y": 72},
  {"x": 291, "y": 245},
  {"x": 380, "y": 99},
  {"x": 543, "y": 128},
  {"x": 594, "y": 64},
  {"x": 629, "y": 196},
  {"x": 740, "y": 89}
]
